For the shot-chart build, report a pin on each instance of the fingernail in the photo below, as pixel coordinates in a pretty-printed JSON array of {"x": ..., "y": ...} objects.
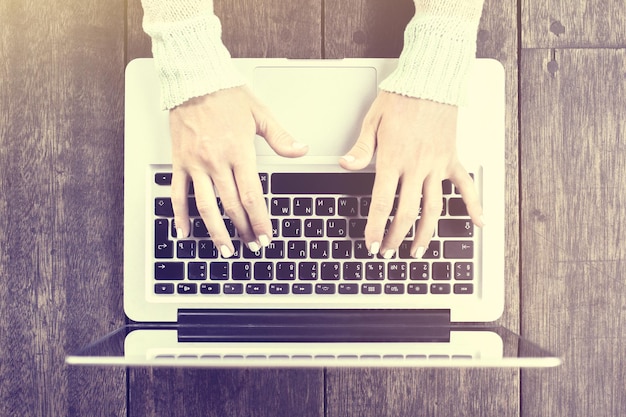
[
  {"x": 265, "y": 241},
  {"x": 388, "y": 254},
  {"x": 298, "y": 145},
  {"x": 419, "y": 252},
  {"x": 225, "y": 251},
  {"x": 375, "y": 248},
  {"x": 253, "y": 246},
  {"x": 348, "y": 158},
  {"x": 179, "y": 233}
]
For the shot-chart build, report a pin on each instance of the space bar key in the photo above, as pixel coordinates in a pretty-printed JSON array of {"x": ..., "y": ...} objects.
[{"x": 350, "y": 183}]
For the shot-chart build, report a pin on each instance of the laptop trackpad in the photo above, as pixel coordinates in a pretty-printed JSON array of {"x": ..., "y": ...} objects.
[{"x": 320, "y": 106}]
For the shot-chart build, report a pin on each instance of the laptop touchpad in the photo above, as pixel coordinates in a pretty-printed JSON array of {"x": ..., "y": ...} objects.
[{"x": 320, "y": 106}]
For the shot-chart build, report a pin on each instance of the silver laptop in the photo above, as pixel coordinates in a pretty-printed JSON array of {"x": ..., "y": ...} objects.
[{"x": 315, "y": 296}]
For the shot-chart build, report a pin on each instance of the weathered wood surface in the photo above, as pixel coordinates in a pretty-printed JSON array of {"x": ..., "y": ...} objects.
[
  {"x": 61, "y": 119},
  {"x": 573, "y": 209}
]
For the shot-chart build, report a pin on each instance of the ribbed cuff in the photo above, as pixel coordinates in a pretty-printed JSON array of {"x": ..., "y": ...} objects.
[
  {"x": 436, "y": 60},
  {"x": 191, "y": 59}
]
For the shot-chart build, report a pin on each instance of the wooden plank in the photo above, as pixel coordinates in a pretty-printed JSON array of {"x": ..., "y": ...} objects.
[
  {"x": 573, "y": 24},
  {"x": 574, "y": 211},
  {"x": 269, "y": 28},
  {"x": 351, "y": 31},
  {"x": 60, "y": 177}
]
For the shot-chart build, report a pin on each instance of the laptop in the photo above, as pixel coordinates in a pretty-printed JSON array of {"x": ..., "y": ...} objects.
[{"x": 315, "y": 297}]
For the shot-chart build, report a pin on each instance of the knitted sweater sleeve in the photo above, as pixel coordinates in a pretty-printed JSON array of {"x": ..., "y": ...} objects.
[
  {"x": 439, "y": 48},
  {"x": 190, "y": 58}
]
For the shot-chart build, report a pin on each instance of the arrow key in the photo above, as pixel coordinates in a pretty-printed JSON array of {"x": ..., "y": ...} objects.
[{"x": 169, "y": 270}]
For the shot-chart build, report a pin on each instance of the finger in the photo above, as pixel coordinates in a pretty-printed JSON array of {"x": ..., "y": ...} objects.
[
  {"x": 464, "y": 182},
  {"x": 180, "y": 188},
  {"x": 432, "y": 203},
  {"x": 276, "y": 137},
  {"x": 406, "y": 213},
  {"x": 206, "y": 202},
  {"x": 361, "y": 153},
  {"x": 383, "y": 195},
  {"x": 253, "y": 201}
]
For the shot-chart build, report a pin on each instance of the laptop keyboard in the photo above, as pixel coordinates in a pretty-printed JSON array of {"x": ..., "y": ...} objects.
[{"x": 318, "y": 245}]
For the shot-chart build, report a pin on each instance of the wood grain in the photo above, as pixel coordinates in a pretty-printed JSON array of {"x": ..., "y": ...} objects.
[
  {"x": 61, "y": 98},
  {"x": 352, "y": 31},
  {"x": 573, "y": 207},
  {"x": 250, "y": 29},
  {"x": 573, "y": 24}
]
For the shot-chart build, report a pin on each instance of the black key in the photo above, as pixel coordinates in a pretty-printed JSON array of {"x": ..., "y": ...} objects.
[
  {"x": 458, "y": 249},
  {"x": 286, "y": 271},
  {"x": 347, "y": 183},
  {"x": 256, "y": 288},
  {"x": 342, "y": 249},
  {"x": 209, "y": 288},
  {"x": 357, "y": 228},
  {"x": 164, "y": 288},
  {"x": 169, "y": 270},
  {"x": 292, "y": 227},
  {"x": 394, "y": 288},
  {"x": 302, "y": 289},
  {"x": 218, "y": 271},
  {"x": 197, "y": 271},
  {"x": 325, "y": 288},
  {"x": 446, "y": 187},
  {"x": 371, "y": 289},
  {"x": 263, "y": 177},
  {"x": 353, "y": 271},
  {"x": 248, "y": 254},
  {"x": 348, "y": 206},
  {"x": 314, "y": 228},
  {"x": 296, "y": 249},
  {"x": 419, "y": 270},
  {"x": 433, "y": 251},
  {"x": 348, "y": 288},
  {"x": 184, "y": 288},
  {"x": 233, "y": 288},
  {"x": 374, "y": 271},
  {"x": 417, "y": 289},
  {"x": 163, "y": 207},
  {"x": 331, "y": 271},
  {"x": 186, "y": 249},
  {"x": 192, "y": 208},
  {"x": 275, "y": 230},
  {"x": 404, "y": 251},
  {"x": 164, "y": 250},
  {"x": 163, "y": 178},
  {"x": 199, "y": 228},
  {"x": 440, "y": 288},
  {"x": 280, "y": 206},
  {"x": 207, "y": 250},
  {"x": 237, "y": 252},
  {"x": 456, "y": 228},
  {"x": 241, "y": 271},
  {"x": 441, "y": 270},
  {"x": 230, "y": 226},
  {"x": 365, "y": 206},
  {"x": 279, "y": 288},
  {"x": 360, "y": 250},
  {"x": 307, "y": 271},
  {"x": 336, "y": 227},
  {"x": 275, "y": 250},
  {"x": 464, "y": 271},
  {"x": 319, "y": 249},
  {"x": 325, "y": 206},
  {"x": 303, "y": 206},
  {"x": 264, "y": 271},
  {"x": 456, "y": 207},
  {"x": 397, "y": 271},
  {"x": 161, "y": 232},
  {"x": 463, "y": 288}
]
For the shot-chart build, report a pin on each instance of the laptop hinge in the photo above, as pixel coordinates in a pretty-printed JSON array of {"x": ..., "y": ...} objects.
[{"x": 295, "y": 325}]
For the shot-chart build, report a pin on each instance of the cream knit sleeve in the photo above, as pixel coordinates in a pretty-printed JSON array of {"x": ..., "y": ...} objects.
[
  {"x": 439, "y": 48},
  {"x": 190, "y": 57}
]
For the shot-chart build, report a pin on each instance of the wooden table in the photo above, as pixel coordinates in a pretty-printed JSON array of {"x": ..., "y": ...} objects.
[{"x": 61, "y": 181}]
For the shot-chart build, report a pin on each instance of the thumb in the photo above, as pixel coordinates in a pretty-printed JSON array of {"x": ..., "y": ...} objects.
[
  {"x": 361, "y": 153},
  {"x": 278, "y": 138}
]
